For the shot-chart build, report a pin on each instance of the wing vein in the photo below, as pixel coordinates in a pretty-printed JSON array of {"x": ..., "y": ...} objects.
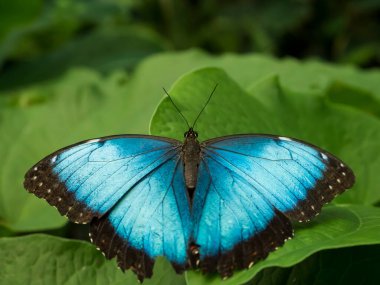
[
  {"x": 258, "y": 191},
  {"x": 137, "y": 182}
]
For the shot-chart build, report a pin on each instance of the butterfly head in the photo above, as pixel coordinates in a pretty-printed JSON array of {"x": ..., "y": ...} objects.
[{"x": 191, "y": 134}]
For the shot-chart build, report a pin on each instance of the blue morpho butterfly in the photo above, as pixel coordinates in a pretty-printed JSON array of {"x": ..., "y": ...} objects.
[{"x": 218, "y": 205}]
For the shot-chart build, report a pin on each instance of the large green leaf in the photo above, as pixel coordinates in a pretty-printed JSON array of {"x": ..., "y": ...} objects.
[
  {"x": 352, "y": 135},
  {"x": 353, "y": 265},
  {"x": 42, "y": 259}
]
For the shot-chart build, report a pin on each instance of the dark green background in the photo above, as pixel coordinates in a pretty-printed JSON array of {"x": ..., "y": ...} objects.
[{"x": 76, "y": 69}]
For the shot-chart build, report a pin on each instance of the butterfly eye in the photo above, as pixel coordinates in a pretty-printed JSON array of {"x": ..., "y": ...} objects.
[
  {"x": 185, "y": 134},
  {"x": 196, "y": 134}
]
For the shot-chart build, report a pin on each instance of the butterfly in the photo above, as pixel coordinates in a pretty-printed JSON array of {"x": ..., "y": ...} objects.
[{"x": 217, "y": 206}]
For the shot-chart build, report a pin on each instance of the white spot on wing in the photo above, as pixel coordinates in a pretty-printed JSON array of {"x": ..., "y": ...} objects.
[
  {"x": 285, "y": 139},
  {"x": 324, "y": 156},
  {"x": 53, "y": 159},
  {"x": 93, "y": 141}
]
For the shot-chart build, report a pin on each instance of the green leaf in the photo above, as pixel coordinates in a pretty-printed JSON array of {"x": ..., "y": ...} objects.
[
  {"x": 353, "y": 265},
  {"x": 42, "y": 259},
  {"x": 336, "y": 227},
  {"x": 355, "y": 97},
  {"x": 268, "y": 108}
]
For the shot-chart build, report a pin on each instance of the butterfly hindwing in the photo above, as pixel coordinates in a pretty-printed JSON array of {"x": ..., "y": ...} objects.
[
  {"x": 130, "y": 187},
  {"x": 152, "y": 219},
  {"x": 234, "y": 225},
  {"x": 248, "y": 188}
]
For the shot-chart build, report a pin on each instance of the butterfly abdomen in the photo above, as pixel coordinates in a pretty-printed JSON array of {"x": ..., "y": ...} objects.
[{"x": 191, "y": 157}]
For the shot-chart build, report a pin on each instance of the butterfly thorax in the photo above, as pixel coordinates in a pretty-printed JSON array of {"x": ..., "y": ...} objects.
[{"x": 191, "y": 151}]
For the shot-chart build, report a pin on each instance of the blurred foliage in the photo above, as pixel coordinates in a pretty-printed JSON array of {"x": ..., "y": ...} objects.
[
  {"x": 75, "y": 69},
  {"x": 300, "y": 28},
  {"x": 118, "y": 33},
  {"x": 68, "y": 33}
]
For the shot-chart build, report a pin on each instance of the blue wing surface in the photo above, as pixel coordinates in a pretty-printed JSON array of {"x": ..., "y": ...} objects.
[
  {"x": 234, "y": 224},
  {"x": 247, "y": 185},
  {"x": 87, "y": 179},
  {"x": 152, "y": 219}
]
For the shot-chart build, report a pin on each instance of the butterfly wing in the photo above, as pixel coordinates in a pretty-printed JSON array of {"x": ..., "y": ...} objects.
[
  {"x": 132, "y": 190},
  {"x": 248, "y": 187}
]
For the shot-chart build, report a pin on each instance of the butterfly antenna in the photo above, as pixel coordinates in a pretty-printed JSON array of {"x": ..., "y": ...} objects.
[
  {"x": 208, "y": 100},
  {"x": 188, "y": 125}
]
